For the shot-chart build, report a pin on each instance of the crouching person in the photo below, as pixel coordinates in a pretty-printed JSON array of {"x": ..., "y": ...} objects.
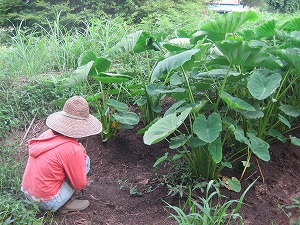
[{"x": 58, "y": 164}]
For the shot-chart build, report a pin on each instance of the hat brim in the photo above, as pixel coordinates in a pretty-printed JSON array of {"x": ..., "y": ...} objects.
[{"x": 74, "y": 128}]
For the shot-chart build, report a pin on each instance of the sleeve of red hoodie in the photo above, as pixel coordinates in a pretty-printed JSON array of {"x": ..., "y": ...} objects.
[{"x": 76, "y": 168}]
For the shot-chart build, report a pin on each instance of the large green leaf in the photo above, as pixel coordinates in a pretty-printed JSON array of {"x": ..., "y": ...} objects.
[
  {"x": 208, "y": 129},
  {"x": 138, "y": 41},
  {"x": 233, "y": 184},
  {"x": 259, "y": 147},
  {"x": 125, "y": 117},
  {"x": 267, "y": 29},
  {"x": 215, "y": 150},
  {"x": 99, "y": 65},
  {"x": 164, "y": 127},
  {"x": 155, "y": 89},
  {"x": 229, "y": 22},
  {"x": 290, "y": 110},
  {"x": 120, "y": 106},
  {"x": 79, "y": 75},
  {"x": 253, "y": 114},
  {"x": 86, "y": 57},
  {"x": 242, "y": 54},
  {"x": 171, "y": 63},
  {"x": 292, "y": 25},
  {"x": 236, "y": 103},
  {"x": 276, "y": 134},
  {"x": 109, "y": 78},
  {"x": 239, "y": 134},
  {"x": 263, "y": 83},
  {"x": 292, "y": 56}
]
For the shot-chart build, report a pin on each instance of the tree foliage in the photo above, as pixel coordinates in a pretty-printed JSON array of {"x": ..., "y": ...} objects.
[
  {"x": 73, "y": 12},
  {"x": 284, "y": 6}
]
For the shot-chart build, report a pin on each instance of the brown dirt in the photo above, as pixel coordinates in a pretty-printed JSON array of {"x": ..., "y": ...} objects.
[{"x": 125, "y": 163}]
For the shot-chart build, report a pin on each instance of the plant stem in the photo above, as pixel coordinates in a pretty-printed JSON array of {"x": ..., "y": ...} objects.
[
  {"x": 188, "y": 85},
  {"x": 222, "y": 89}
]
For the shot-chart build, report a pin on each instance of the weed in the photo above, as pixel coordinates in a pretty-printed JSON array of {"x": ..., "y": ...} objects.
[
  {"x": 287, "y": 209},
  {"x": 214, "y": 208}
]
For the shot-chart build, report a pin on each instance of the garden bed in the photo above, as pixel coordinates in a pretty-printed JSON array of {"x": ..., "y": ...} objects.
[{"x": 121, "y": 171}]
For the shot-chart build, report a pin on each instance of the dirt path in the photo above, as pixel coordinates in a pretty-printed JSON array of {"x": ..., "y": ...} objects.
[{"x": 121, "y": 171}]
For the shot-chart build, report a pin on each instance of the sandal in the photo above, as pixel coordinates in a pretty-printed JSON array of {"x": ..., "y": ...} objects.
[{"x": 74, "y": 205}]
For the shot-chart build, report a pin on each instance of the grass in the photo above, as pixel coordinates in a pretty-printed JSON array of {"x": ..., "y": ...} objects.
[
  {"x": 14, "y": 209},
  {"x": 213, "y": 208}
]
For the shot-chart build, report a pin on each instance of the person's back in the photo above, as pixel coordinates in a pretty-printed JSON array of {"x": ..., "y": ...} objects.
[{"x": 57, "y": 163}]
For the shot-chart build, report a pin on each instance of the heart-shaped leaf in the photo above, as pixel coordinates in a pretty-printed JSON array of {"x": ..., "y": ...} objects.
[
  {"x": 164, "y": 127},
  {"x": 263, "y": 83},
  {"x": 208, "y": 129}
]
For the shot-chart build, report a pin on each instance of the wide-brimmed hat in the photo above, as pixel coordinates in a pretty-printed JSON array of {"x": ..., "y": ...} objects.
[{"x": 75, "y": 119}]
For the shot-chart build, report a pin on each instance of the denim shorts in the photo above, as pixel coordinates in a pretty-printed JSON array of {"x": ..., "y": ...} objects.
[{"x": 65, "y": 193}]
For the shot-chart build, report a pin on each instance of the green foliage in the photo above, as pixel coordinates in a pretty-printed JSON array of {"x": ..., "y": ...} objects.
[
  {"x": 112, "y": 113},
  {"x": 17, "y": 211},
  {"x": 284, "y": 6},
  {"x": 287, "y": 209},
  {"x": 75, "y": 12},
  {"x": 253, "y": 3},
  {"x": 13, "y": 208},
  {"x": 237, "y": 100},
  {"x": 213, "y": 208}
]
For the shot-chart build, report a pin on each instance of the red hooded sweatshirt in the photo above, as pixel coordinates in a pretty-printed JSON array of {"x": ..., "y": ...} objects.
[{"x": 52, "y": 159}]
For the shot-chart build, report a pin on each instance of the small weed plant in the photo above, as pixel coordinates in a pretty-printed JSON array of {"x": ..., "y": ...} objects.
[{"x": 213, "y": 208}]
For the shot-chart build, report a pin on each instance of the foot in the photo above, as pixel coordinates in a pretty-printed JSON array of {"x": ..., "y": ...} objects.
[{"x": 74, "y": 205}]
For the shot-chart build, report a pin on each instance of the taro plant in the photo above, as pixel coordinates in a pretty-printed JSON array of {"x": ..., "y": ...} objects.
[
  {"x": 104, "y": 93},
  {"x": 234, "y": 89},
  {"x": 147, "y": 96}
]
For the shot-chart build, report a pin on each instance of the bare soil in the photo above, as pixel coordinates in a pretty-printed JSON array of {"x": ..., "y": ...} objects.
[{"x": 124, "y": 190}]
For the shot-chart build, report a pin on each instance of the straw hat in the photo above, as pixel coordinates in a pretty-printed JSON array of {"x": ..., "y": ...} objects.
[{"x": 75, "y": 119}]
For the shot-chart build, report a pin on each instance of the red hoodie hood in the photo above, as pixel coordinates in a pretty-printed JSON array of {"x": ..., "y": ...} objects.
[{"x": 45, "y": 142}]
